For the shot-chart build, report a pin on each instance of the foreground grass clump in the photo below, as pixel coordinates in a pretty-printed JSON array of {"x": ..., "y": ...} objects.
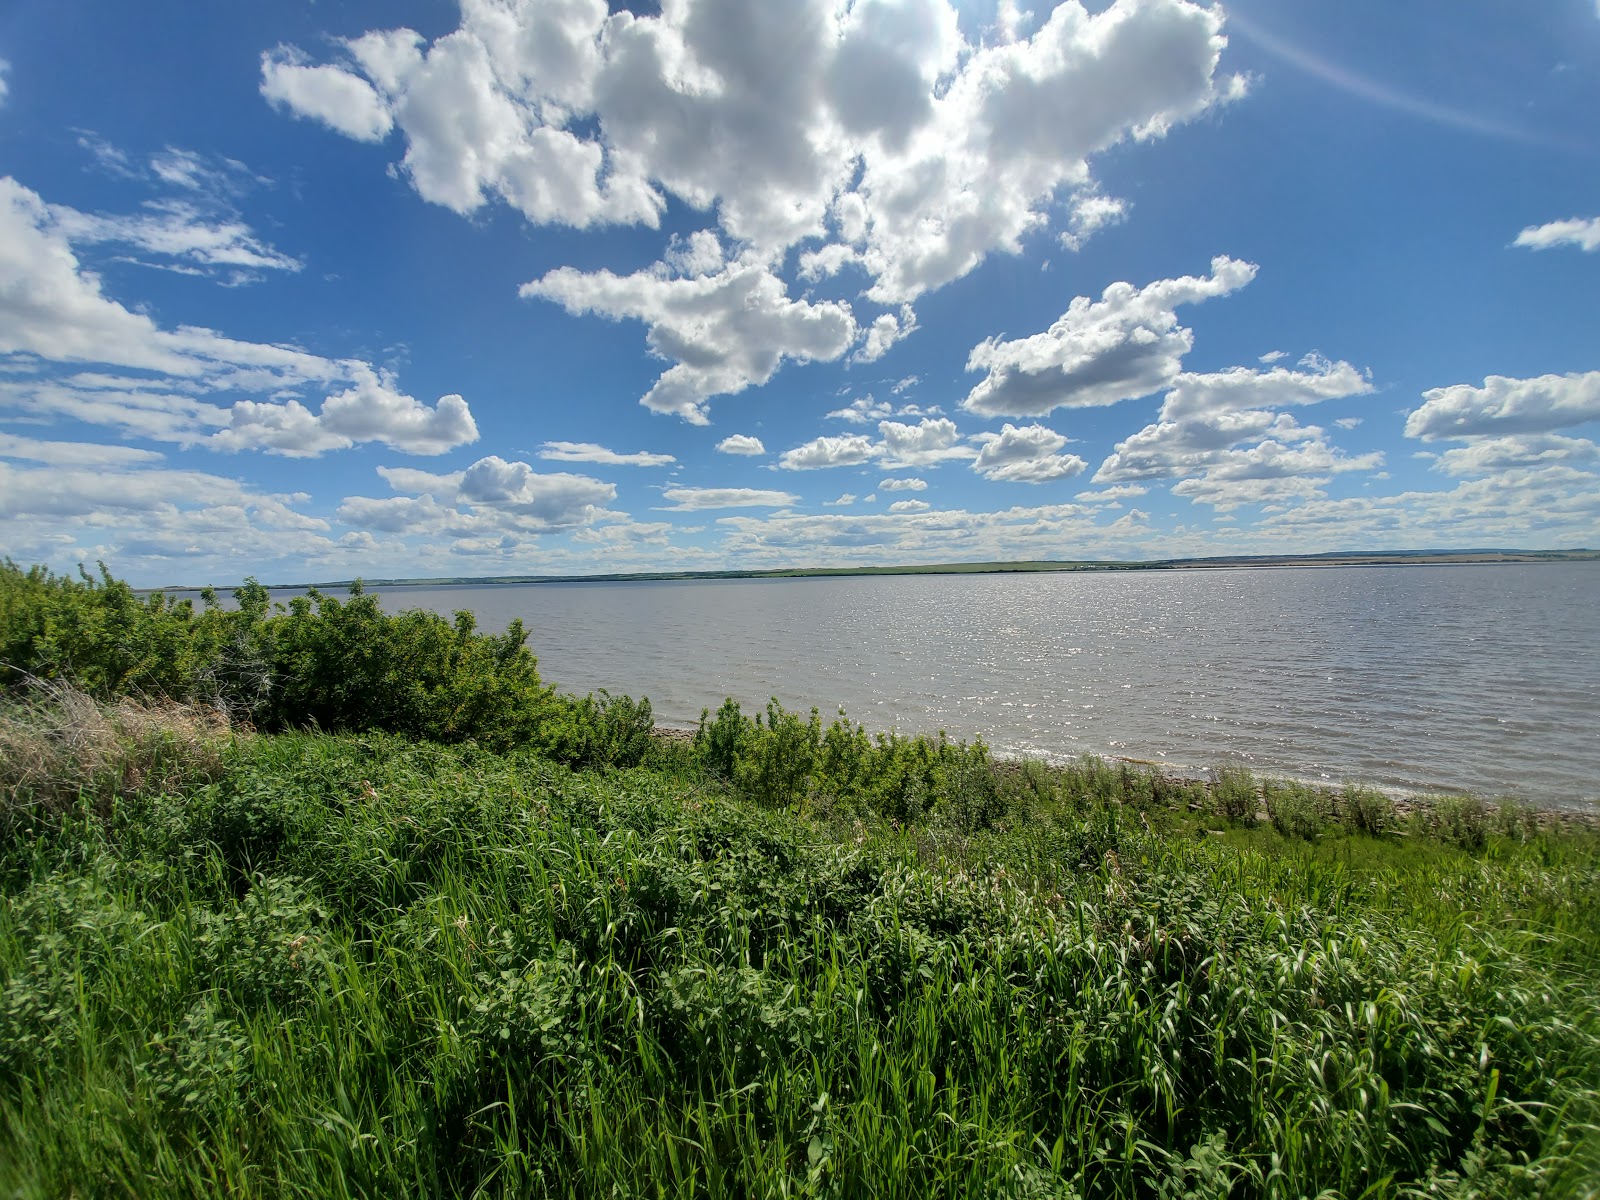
[{"x": 362, "y": 965}]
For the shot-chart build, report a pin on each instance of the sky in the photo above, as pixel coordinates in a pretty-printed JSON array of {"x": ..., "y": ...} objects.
[{"x": 321, "y": 290}]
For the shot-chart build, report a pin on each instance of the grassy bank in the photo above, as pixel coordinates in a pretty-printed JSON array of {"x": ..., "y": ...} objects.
[
  {"x": 531, "y": 950},
  {"x": 315, "y": 965}
]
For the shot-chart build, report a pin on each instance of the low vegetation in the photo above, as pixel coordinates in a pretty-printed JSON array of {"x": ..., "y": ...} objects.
[{"x": 479, "y": 939}]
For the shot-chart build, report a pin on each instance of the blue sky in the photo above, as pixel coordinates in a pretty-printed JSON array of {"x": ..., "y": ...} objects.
[{"x": 525, "y": 286}]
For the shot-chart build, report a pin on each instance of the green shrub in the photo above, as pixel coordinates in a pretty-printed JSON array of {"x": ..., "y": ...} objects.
[
  {"x": 1365, "y": 810},
  {"x": 1297, "y": 810},
  {"x": 718, "y": 742},
  {"x": 1235, "y": 795},
  {"x": 777, "y": 761},
  {"x": 1459, "y": 820},
  {"x": 200, "y": 1067},
  {"x": 596, "y": 732},
  {"x": 267, "y": 949},
  {"x": 1515, "y": 820},
  {"x": 337, "y": 665}
]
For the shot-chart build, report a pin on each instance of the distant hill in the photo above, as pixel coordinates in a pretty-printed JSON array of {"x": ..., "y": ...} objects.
[{"x": 1338, "y": 558}]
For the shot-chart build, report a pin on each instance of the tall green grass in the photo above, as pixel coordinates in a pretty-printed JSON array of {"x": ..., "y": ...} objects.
[{"x": 366, "y": 966}]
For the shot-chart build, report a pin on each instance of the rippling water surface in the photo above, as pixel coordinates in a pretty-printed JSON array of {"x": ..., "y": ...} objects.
[{"x": 1485, "y": 678}]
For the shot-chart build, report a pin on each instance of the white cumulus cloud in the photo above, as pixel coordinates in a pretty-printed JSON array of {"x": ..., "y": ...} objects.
[
  {"x": 556, "y": 499},
  {"x": 1493, "y": 455},
  {"x": 1099, "y": 352},
  {"x": 723, "y": 332},
  {"x": 1577, "y": 231},
  {"x": 929, "y": 442},
  {"x": 1506, "y": 406},
  {"x": 870, "y": 135},
  {"x": 342, "y": 101},
  {"x": 845, "y": 451},
  {"x": 741, "y": 443},
  {"x": 1025, "y": 455},
  {"x": 1222, "y": 437}
]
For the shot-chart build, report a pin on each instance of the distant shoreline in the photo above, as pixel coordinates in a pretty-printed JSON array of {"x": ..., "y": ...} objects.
[{"x": 1379, "y": 558}]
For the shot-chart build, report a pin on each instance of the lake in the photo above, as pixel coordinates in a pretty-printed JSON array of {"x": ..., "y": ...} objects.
[{"x": 1478, "y": 678}]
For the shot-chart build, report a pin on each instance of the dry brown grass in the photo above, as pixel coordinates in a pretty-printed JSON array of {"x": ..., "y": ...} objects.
[{"x": 61, "y": 748}]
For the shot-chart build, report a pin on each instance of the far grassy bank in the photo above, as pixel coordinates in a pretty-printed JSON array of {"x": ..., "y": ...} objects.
[
  {"x": 1031, "y": 566},
  {"x": 306, "y": 964}
]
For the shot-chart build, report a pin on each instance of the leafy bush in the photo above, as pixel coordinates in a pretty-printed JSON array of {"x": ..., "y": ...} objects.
[
  {"x": 777, "y": 762},
  {"x": 1365, "y": 810},
  {"x": 1235, "y": 795},
  {"x": 319, "y": 661},
  {"x": 348, "y": 665},
  {"x": 1297, "y": 810},
  {"x": 597, "y": 731},
  {"x": 202, "y": 1065},
  {"x": 1515, "y": 820},
  {"x": 1460, "y": 820},
  {"x": 267, "y": 949},
  {"x": 100, "y": 635}
]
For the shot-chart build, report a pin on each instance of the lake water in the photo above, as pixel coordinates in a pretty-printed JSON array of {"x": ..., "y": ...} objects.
[{"x": 1481, "y": 678}]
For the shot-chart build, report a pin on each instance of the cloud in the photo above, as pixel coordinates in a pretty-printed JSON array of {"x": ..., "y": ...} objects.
[
  {"x": 127, "y": 515},
  {"x": 884, "y": 332},
  {"x": 1584, "y": 234},
  {"x": 929, "y": 442},
  {"x": 591, "y": 453},
  {"x": 929, "y": 535},
  {"x": 213, "y": 179},
  {"x": 492, "y": 503},
  {"x": 341, "y": 101},
  {"x": 909, "y": 506},
  {"x": 1025, "y": 455},
  {"x": 866, "y": 411},
  {"x": 723, "y": 332},
  {"x": 1099, "y": 352},
  {"x": 1112, "y": 495},
  {"x": 1018, "y": 122},
  {"x": 1221, "y": 435},
  {"x": 845, "y": 500},
  {"x": 1091, "y": 212},
  {"x": 1552, "y": 506},
  {"x": 555, "y": 500},
  {"x": 53, "y": 309},
  {"x": 369, "y": 411},
  {"x": 846, "y": 451},
  {"x": 5, "y": 86},
  {"x": 741, "y": 443},
  {"x": 178, "y": 230},
  {"x": 1506, "y": 406},
  {"x": 903, "y": 485},
  {"x": 411, "y": 481},
  {"x": 1491, "y": 456},
  {"x": 73, "y": 454},
  {"x": 872, "y": 134},
  {"x": 692, "y": 499}
]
